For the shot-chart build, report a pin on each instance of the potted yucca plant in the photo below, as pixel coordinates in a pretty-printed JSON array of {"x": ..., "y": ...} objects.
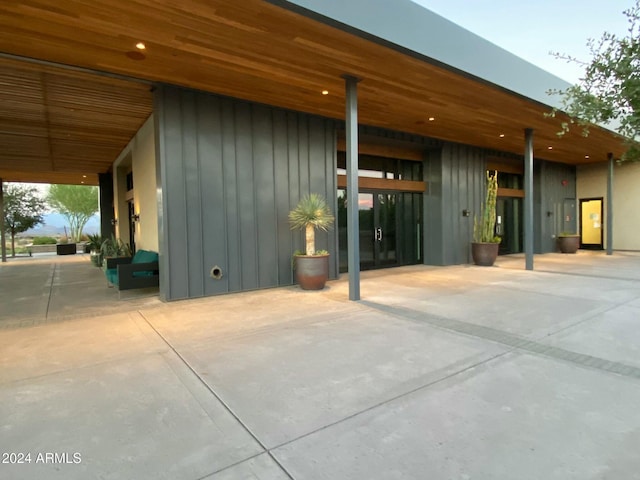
[
  {"x": 312, "y": 267},
  {"x": 484, "y": 249}
]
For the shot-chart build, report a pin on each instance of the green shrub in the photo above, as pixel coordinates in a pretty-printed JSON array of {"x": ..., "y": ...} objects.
[{"x": 44, "y": 241}]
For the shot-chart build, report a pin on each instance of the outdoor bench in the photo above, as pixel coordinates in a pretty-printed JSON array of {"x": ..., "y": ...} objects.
[{"x": 127, "y": 273}]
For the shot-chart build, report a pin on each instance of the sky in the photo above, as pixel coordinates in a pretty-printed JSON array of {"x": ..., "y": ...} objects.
[{"x": 531, "y": 29}]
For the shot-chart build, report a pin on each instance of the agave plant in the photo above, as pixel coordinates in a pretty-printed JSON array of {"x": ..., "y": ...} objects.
[
  {"x": 312, "y": 212},
  {"x": 114, "y": 247}
]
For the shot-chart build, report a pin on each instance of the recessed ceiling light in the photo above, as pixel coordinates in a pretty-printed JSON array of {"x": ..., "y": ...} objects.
[
  {"x": 81, "y": 182},
  {"x": 140, "y": 46},
  {"x": 431, "y": 119},
  {"x": 325, "y": 92},
  {"x": 502, "y": 135},
  {"x": 550, "y": 147},
  {"x": 586, "y": 156},
  {"x": 84, "y": 176}
]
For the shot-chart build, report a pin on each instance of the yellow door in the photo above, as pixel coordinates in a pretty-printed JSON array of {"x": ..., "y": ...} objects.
[{"x": 591, "y": 221}]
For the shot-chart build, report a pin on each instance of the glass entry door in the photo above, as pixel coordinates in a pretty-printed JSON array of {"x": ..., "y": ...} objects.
[
  {"x": 390, "y": 231},
  {"x": 509, "y": 221},
  {"x": 377, "y": 213},
  {"x": 591, "y": 223}
]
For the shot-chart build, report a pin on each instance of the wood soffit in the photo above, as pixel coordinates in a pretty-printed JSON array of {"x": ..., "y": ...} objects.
[{"x": 55, "y": 120}]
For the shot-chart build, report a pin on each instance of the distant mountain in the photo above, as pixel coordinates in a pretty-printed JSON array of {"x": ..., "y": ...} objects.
[{"x": 54, "y": 223}]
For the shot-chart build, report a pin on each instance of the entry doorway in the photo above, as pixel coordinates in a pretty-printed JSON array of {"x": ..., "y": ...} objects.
[
  {"x": 390, "y": 229},
  {"x": 377, "y": 214},
  {"x": 509, "y": 222},
  {"x": 591, "y": 223}
]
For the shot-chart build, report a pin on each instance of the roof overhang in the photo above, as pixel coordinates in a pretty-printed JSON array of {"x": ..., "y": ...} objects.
[{"x": 258, "y": 51}]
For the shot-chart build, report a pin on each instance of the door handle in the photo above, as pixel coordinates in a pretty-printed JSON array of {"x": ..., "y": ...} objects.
[{"x": 378, "y": 234}]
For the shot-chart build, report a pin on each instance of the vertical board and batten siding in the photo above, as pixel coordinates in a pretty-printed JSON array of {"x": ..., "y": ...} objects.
[
  {"x": 230, "y": 173},
  {"x": 549, "y": 198},
  {"x": 455, "y": 182}
]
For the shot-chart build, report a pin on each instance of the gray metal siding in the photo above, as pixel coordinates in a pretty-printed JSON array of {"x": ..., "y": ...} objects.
[
  {"x": 455, "y": 181},
  {"x": 230, "y": 173},
  {"x": 549, "y": 198}
]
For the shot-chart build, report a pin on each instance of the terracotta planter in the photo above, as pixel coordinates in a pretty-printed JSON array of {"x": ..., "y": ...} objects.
[
  {"x": 569, "y": 244},
  {"x": 312, "y": 272},
  {"x": 484, "y": 254}
]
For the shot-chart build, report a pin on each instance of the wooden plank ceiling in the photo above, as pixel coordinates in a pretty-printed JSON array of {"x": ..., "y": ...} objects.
[
  {"x": 55, "y": 121},
  {"x": 60, "y": 126}
]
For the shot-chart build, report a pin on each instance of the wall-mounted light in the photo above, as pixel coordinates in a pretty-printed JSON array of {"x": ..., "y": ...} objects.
[
  {"x": 114, "y": 221},
  {"x": 135, "y": 217},
  {"x": 466, "y": 213}
]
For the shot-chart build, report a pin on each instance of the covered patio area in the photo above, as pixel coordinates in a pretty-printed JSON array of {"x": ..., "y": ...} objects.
[
  {"x": 49, "y": 288},
  {"x": 439, "y": 372}
]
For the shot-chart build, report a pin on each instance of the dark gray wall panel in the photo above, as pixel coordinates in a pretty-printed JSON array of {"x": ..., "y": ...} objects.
[
  {"x": 230, "y": 172},
  {"x": 192, "y": 175},
  {"x": 455, "y": 181},
  {"x": 212, "y": 191},
  {"x": 231, "y": 208},
  {"x": 549, "y": 197},
  {"x": 175, "y": 204}
]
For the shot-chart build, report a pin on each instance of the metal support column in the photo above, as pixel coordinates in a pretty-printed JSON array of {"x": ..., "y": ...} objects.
[
  {"x": 528, "y": 198},
  {"x": 353, "y": 227},
  {"x": 3, "y": 245},
  {"x": 610, "y": 205}
]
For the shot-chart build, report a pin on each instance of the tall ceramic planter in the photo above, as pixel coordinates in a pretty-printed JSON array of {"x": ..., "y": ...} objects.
[
  {"x": 484, "y": 254},
  {"x": 312, "y": 271}
]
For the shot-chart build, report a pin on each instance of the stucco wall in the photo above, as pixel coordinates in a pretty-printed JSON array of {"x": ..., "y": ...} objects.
[
  {"x": 144, "y": 186},
  {"x": 592, "y": 182},
  {"x": 139, "y": 157}
]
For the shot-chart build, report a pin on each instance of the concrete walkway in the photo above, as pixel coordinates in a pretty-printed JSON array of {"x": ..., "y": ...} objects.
[{"x": 438, "y": 373}]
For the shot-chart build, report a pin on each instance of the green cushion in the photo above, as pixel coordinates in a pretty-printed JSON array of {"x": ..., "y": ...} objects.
[
  {"x": 112, "y": 275},
  {"x": 144, "y": 256}
]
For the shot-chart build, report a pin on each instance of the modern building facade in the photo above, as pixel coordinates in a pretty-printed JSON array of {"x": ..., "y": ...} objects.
[{"x": 243, "y": 108}]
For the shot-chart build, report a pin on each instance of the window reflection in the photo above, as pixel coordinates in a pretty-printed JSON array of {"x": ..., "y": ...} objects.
[{"x": 382, "y": 167}]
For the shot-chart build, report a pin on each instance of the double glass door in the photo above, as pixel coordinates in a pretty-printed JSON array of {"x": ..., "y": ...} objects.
[
  {"x": 377, "y": 212},
  {"x": 382, "y": 229}
]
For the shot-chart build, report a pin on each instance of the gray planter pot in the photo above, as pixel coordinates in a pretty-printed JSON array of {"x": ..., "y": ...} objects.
[
  {"x": 312, "y": 272},
  {"x": 569, "y": 244},
  {"x": 484, "y": 254}
]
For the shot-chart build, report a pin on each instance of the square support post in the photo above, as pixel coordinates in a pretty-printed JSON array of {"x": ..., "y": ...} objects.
[
  {"x": 353, "y": 226},
  {"x": 610, "y": 205},
  {"x": 528, "y": 198},
  {"x": 3, "y": 245}
]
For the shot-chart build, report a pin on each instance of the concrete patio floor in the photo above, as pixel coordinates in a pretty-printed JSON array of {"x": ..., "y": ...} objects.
[{"x": 438, "y": 373}]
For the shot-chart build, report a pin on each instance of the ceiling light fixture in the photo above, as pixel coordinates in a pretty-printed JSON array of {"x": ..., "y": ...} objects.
[
  {"x": 431, "y": 119},
  {"x": 502, "y": 135},
  {"x": 325, "y": 92},
  {"x": 586, "y": 156},
  {"x": 550, "y": 147},
  {"x": 140, "y": 46}
]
